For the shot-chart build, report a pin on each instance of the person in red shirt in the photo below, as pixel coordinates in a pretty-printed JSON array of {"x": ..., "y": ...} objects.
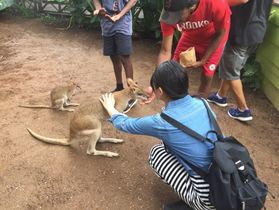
[{"x": 204, "y": 25}]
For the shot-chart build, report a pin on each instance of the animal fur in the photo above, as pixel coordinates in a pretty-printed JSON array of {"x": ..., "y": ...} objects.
[
  {"x": 60, "y": 98},
  {"x": 87, "y": 121}
]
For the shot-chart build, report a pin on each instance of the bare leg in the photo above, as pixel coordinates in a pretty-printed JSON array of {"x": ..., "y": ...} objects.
[
  {"x": 237, "y": 89},
  {"x": 205, "y": 85},
  {"x": 117, "y": 67},
  {"x": 111, "y": 140},
  {"x": 128, "y": 67},
  {"x": 236, "y": 86},
  {"x": 224, "y": 88}
]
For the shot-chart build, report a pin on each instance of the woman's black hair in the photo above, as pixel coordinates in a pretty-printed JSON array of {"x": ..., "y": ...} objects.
[{"x": 172, "y": 78}]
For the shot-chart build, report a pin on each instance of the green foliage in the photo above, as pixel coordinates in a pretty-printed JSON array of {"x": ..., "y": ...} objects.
[
  {"x": 48, "y": 19},
  {"x": 55, "y": 20},
  {"x": 81, "y": 11},
  {"x": 251, "y": 73},
  {"x": 5, "y": 4},
  {"x": 146, "y": 14},
  {"x": 20, "y": 9}
]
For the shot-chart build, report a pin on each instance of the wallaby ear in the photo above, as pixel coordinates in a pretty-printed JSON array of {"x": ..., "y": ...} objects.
[{"x": 131, "y": 83}]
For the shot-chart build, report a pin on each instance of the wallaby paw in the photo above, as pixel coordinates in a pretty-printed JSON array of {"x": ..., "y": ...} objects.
[
  {"x": 112, "y": 154},
  {"x": 119, "y": 141},
  {"x": 69, "y": 110}
]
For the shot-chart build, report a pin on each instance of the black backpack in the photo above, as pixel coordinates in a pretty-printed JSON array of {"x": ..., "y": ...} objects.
[{"x": 232, "y": 176}]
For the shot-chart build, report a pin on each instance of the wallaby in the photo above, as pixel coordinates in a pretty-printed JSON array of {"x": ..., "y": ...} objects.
[
  {"x": 60, "y": 97},
  {"x": 88, "y": 118}
]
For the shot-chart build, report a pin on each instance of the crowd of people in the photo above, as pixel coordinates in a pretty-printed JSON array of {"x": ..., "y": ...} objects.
[{"x": 224, "y": 34}]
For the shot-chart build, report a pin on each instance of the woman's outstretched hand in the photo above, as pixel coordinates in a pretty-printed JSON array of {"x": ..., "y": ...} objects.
[
  {"x": 149, "y": 91},
  {"x": 108, "y": 102}
]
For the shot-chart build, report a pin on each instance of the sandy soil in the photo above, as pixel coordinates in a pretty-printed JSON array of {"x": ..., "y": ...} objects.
[{"x": 34, "y": 58}]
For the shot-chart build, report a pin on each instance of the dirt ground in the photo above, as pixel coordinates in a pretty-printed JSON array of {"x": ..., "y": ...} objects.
[{"x": 33, "y": 175}]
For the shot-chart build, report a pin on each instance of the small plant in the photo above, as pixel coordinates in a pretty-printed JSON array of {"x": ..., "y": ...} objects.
[
  {"x": 48, "y": 19},
  {"x": 251, "y": 73},
  {"x": 21, "y": 9},
  {"x": 5, "y": 4},
  {"x": 81, "y": 11}
]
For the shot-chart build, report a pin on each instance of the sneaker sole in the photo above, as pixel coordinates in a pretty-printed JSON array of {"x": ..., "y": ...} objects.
[
  {"x": 130, "y": 107},
  {"x": 218, "y": 104},
  {"x": 243, "y": 119}
]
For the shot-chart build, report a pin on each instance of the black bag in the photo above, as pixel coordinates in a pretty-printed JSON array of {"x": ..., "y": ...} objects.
[{"x": 232, "y": 177}]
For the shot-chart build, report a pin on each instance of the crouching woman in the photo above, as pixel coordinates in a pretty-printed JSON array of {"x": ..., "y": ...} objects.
[{"x": 170, "y": 85}]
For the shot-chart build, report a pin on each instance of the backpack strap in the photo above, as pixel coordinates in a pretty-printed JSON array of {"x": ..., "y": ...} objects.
[
  {"x": 212, "y": 119},
  {"x": 184, "y": 128},
  {"x": 191, "y": 132}
]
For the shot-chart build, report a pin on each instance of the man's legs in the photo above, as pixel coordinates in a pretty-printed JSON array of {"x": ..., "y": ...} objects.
[
  {"x": 117, "y": 67},
  {"x": 236, "y": 86},
  {"x": 224, "y": 88},
  {"x": 124, "y": 50},
  {"x": 109, "y": 49},
  {"x": 127, "y": 64},
  {"x": 233, "y": 60},
  {"x": 205, "y": 85}
]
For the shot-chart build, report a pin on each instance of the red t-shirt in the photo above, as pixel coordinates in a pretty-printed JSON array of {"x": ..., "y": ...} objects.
[{"x": 201, "y": 25}]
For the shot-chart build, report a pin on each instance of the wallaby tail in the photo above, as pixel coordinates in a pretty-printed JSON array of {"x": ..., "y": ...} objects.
[
  {"x": 37, "y": 106},
  {"x": 64, "y": 141}
]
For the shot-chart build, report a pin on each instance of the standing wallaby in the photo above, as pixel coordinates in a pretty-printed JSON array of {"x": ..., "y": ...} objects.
[
  {"x": 60, "y": 97},
  {"x": 87, "y": 121}
]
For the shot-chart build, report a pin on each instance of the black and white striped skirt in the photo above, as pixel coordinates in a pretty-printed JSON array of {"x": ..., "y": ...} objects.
[{"x": 192, "y": 189}]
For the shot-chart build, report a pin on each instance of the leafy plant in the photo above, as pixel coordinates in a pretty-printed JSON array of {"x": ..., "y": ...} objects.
[
  {"x": 81, "y": 11},
  {"x": 48, "y": 19},
  {"x": 21, "y": 9},
  {"x": 146, "y": 14},
  {"x": 251, "y": 73},
  {"x": 5, "y": 4}
]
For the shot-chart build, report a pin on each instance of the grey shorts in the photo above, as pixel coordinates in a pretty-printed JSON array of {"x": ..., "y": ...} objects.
[
  {"x": 233, "y": 59},
  {"x": 118, "y": 44}
]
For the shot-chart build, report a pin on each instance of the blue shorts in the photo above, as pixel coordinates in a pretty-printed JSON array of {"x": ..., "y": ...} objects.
[{"x": 118, "y": 44}]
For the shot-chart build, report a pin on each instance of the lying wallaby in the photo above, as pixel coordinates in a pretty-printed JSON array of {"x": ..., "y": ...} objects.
[
  {"x": 87, "y": 121},
  {"x": 60, "y": 97}
]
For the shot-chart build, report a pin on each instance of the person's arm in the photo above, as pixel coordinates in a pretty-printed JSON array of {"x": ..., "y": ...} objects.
[
  {"x": 99, "y": 10},
  {"x": 165, "y": 51},
  {"x": 236, "y": 2},
  {"x": 126, "y": 9},
  {"x": 221, "y": 20},
  {"x": 144, "y": 125},
  {"x": 166, "y": 46},
  {"x": 97, "y": 4},
  {"x": 214, "y": 44}
]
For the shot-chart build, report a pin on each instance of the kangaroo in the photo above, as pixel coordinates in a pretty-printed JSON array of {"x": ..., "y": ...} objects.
[
  {"x": 88, "y": 118},
  {"x": 60, "y": 97}
]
